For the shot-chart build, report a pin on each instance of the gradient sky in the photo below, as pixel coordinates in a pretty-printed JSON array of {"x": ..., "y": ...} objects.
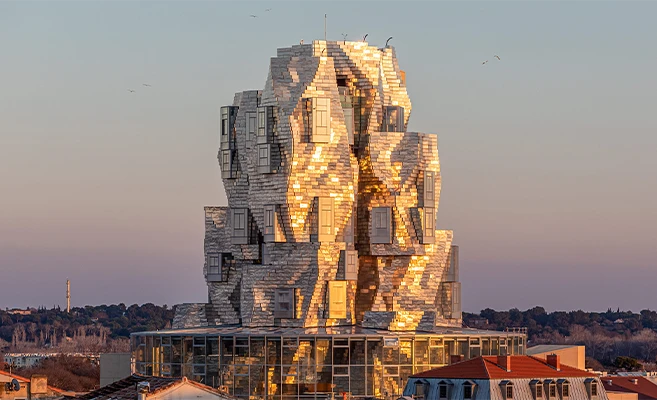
[{"x": 548, "y": 156}]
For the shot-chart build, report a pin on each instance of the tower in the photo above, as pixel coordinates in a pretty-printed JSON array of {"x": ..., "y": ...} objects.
[{"x": 68, "y": 296}]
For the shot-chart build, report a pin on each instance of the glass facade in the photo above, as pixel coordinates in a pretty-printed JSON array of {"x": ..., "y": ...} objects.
[{"x": 294, "y": 363}]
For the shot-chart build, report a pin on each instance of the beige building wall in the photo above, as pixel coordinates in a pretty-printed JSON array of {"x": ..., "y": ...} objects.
[
  {"x": 622, "y": 396},
  {"x": 114, "y": 367},
  {"x": 573, "y": 356}
]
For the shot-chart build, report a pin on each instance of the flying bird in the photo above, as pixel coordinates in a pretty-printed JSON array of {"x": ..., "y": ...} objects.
[
  {"x": 365, "y": 37},
  {"x": 388, "y": 41},
  {"x": 484, "y": 62},
  {"x": 146, "y": 84},
  {"x": 498, "y": 57},
  {"x": 131, "y": 90},
  {"x": 267, "y": 9},
  {"x": 253, "y": 16}
]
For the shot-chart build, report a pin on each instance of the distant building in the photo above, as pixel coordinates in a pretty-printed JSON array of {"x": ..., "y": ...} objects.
[
  {"x": 114, "y": 367},
  {"x": 27, "y": 360},
  {"x": 18, "y": 311},
  {"x": 621, "y": 387},
  {"x": 14, "y": 387},
  {"x": 506, "y": 378},
  {"x": 138, "y": 387},
  {"x": 571, "y": 355}
]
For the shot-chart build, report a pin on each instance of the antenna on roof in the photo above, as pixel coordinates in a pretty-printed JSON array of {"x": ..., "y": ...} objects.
[{"x": 325, "y": 27}]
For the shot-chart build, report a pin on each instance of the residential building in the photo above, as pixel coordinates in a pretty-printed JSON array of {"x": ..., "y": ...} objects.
[
  {"x": 506, "y": 378},
  {"x": 326, "y": 273},
  {"x": 138, "y": 387},
  {"x": 14, "y": 387},
  {"x": 571, "y": 355},
  {"x": 624, "y": 386}
]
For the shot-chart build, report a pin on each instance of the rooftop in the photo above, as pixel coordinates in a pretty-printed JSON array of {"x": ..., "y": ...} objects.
[
  {"x": 643, "y": 386},
  {"x": 311, "y": 331},
  {"x": 486, "y": 367},
  {"x": 545, "y": 348}
]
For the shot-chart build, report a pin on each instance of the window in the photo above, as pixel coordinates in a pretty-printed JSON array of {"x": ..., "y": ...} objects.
[
  {"x": 349, "y": 122},
  {"x": 594, "y": 389},
  {"x": 337, "y": 299},
  {"x": 227, "y": 137},
  {"x": 467, "y": 390},
  {"x": 262, "y": 125},
  {"x": 551, "y": 389},
  {"x": 565, "y": 389},
  {"x": 325, "y": 223},
  {"x": 419, "y": 390},
  {"x": 228, "y": 165},
  {"x": 321, "y": 128},
  {"x": 239, "y": 221},
  {"x": 537, "y": 389},
  {"x": 539, "y": 392},
  {"x": 218, "y": 265},
  {"x": 453, "y": 273},
  {"x": 381, "y": 229},
  {"x": 269, "y": 220},
  {"x": 350, "y": 265},
  {"x": 443, "y": 392},
  {"x": 284, "y": 303},
  {"x": 393, "y": 119},
  {"x": 429, "y": 220},
  {"x": 429, "y": 190},
  {"x": 264, "y": 158},
  {"x": 507, "y": 389},
  {"x": 251, "y": 125}
]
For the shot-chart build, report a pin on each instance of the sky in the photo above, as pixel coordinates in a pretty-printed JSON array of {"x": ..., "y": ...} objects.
[{"x": 547, "y": 155}]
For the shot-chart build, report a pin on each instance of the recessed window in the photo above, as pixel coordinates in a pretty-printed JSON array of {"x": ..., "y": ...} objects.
[
  {"x": 539, "y": 392},
  {"x": 218, "y": 266},
  {"x": 509, "y": 392},
  {"x": 429, "y": 189},
  {"x": 393, "y": 119},
  {"x": 284, "y": 303},
  {"x": 443, "y": 391},
  {"x": 467, "y": 391},
  {"x": 265, "y": 124},
  {"x": 240, "y": 225},
  {"x": 227, "y": 128},
  {"x": 381, "y": 225},
  {"x": 507, "y": 389},
  {"x": 264, "y": 158},
  {"x": 228, "y": 164},
  {"x": 429, "y": 221},
  {"x": 251, "y": 125},
  {"x": 594, "y": 389},
  {"x": 350, "y": 265}
]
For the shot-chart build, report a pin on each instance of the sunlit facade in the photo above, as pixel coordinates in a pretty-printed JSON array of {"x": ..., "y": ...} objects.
[{"x": 326, "y": 273}]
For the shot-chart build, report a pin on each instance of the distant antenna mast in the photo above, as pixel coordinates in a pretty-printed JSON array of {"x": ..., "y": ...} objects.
[
  {"x": 68, "y": 296},
  {"x": 325, "y": 27}
]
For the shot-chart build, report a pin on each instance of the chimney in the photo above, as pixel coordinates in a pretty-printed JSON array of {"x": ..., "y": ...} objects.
[
  {"x": 504, "y": 362},
  {"x": 554, "y": 361},
  {"x": 455, "y": 358},
  {"x": 143, "y": 388}
]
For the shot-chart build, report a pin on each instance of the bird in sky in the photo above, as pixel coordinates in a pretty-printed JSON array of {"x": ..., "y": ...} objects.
[
  {"x": 388, "y": 41},
  {"x": 483, "y": 63},
  {"x": 498, "y": 57},
  {"x": 365, "y": 37},
  {"x": 146, "y": 84},
  {"x": 253, "y": 16},
  {"x": 267, "y": 9},
  {"x": 131, "y": 90}
]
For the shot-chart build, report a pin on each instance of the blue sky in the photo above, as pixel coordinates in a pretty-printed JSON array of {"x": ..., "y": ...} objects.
[{"x": 547, "y": 156}]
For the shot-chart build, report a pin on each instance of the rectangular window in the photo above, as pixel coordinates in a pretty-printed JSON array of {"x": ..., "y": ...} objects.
[
  {"x": 429, "y": 221},
  {"x": 553, "y": 391},
  {"x": 264, "y": 158},
  {"x": 594, "y": 389},
  {"x": 239, "y": 221},
  {"x": 443, "y": 392},
  {"x": 509, "y": 391},
  {"x": 218, "y": 265},
  {"x": 227, "y": 136},
  {"x": 419, "y": 390},
  {"x": 214, "y": 267},
  {"x": 351, "y": 265},
  {"x": 272, "y": 229},
  {"x": 325, "y": 220},
  {"x": 539, "y": 391},
  {"x": 429, "y": 195},
  {"x": 456, "y": 300},
  {"x": 269, "y": 219},
  {"x": 251, "y": 125},
  {"x": 393, "y": 119},
  {"x": 349, "y": 122},
  {"x": 467, "y": 391},
  {"x": 262, "y": 123},
  {"x": 337, "y": 299},
  {"x": 284, "y": 303},
  {"x": 381, "y": 225},
  {"x": 228, "y": 166},
  {"x": 321, "y": 129},
  {"x": 565, "y": 390}
]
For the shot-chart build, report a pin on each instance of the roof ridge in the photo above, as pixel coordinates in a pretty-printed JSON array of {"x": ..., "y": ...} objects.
[{"x": 484, "y": 361}]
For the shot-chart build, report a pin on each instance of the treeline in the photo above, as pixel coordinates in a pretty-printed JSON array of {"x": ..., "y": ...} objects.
[
  {"x": 84, "y": 329},
  {"x": 606, "y": 335},
  {"x": 66, "y": 372}
]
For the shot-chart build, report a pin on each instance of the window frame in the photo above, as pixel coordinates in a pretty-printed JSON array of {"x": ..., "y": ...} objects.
[
  {"x": 381, "y": 230},
  {"x": 325, "y": 219},
  {"x": 285, "y": 296},
  {"x": 333, "y": 300}
]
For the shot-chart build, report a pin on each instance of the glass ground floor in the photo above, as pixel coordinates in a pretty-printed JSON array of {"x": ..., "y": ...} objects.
[{"x": 309, "y": 363}]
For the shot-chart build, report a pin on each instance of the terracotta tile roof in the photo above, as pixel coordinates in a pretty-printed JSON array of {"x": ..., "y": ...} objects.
[
  {"x": 126, "y": 389},
  {"x": 522, "y": 367},
  {"x": 644, "y": 387},
  {"x": 26, "y": 380}
]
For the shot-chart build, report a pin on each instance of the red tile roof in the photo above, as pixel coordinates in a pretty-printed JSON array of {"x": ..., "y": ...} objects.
[
  {"x": 522, "y": 367},
  {"x": 644, "y": 387},
  {"x": 25, "y": 380}
]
